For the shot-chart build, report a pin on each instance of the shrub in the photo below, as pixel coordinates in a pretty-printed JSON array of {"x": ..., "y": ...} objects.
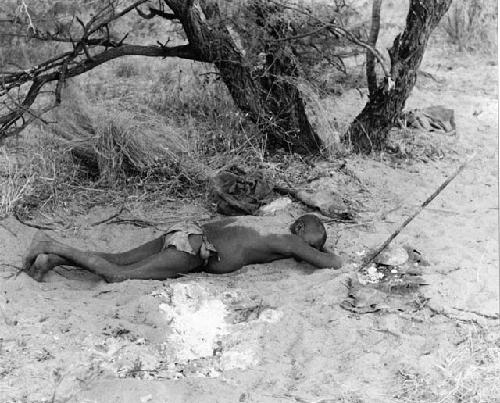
[
  {"x": 16, "y": 180},
  {"x": 472, "y": 25},
  {"x": 112, "y": 141}
]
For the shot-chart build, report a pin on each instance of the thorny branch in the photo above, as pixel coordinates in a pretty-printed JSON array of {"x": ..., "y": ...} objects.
[
  {"x": 336, "y": 30},
  {"x": 93, "y": 48}
]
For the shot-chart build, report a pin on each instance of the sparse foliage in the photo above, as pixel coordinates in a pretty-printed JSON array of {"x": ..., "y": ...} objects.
[{"x": 260, "y": 75}]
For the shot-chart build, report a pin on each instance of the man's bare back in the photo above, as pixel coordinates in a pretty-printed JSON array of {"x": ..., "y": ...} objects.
[{"x": 217, "y": 247}]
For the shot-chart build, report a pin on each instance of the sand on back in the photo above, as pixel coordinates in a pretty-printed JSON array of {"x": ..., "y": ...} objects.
[{"x": 262, "y": 225}]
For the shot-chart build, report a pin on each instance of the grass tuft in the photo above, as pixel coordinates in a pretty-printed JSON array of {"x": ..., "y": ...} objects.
[
  {"x": 469, "y": 373},
  {"x": 16, "y": 181},
  {"x": 126, "y": 69},
  {"x": 420, "y": 145},
  {"x": 113, "y": 143}
]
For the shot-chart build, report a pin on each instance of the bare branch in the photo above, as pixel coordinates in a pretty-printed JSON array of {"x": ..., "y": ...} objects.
[
  {"x": 65, "y": 71},
  {"x": 304, "y": 35},
  {"x": 75, "y": 62},
  {"x": 12, "y": 117},
  {"x": 336, "y": 30},
  {"x": 101, "y": 41},
  {"x": 343, "y": 32},
  {"x": 116, "y": 16}
]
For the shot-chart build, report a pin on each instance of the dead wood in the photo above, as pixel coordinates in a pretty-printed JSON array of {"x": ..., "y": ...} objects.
[{"x": 295, "y": 194}]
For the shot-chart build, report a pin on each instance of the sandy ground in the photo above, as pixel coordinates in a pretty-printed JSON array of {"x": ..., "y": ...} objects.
[{"x": 276, "y": 332}]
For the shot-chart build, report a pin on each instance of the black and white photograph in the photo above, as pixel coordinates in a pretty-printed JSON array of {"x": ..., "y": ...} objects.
[{"x": 249, "y": 201}]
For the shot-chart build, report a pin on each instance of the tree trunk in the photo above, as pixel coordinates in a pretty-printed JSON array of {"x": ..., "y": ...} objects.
[
  {"x": 288, "y": 126},
  {"x": 371, "y": 74},
  {"x": 370, "y": 128},
  {"x": 275, "y": 105}
]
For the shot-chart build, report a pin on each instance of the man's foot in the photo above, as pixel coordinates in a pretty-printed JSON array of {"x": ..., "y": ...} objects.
[
  {"x": 38, "y": 246},
  {"x": 40, "y": 267}
]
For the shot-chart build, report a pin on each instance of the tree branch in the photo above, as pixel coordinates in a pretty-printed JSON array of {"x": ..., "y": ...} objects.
[
  {"x": 343, "y": 32},
  {"x": 65, "y": 71},
  {"x": 48, "y": 37},
  {"x": 12, "y": 117},
  {"x": 336, "y": 30},
  {"x": 115, "y": 16}
]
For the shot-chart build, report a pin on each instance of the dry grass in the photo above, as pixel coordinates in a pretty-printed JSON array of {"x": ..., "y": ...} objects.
[
  {"x": 194, "y": 97},
  {"x": 322, "y": 118},
  {"x": 469, "y": 373},
  {"x": 48, "y": 170},
  {"x": 16, "y": 181},
  {"x": 413, "y": 145},
  {"x": 127, "y": 69},
  {"x": 146, "y": 125},
  {"x": 113, "y": 141}
]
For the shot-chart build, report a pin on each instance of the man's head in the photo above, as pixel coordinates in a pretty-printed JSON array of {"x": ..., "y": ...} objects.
[{"x": 311, "y": 230}]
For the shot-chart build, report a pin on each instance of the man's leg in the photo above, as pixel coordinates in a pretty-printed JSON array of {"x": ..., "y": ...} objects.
[
  {"x": 43, "y": 264},
  {"x": 164, "y": 264},
  {"x": 135, "y": 255},
  {"x": 124, "y": 258}
]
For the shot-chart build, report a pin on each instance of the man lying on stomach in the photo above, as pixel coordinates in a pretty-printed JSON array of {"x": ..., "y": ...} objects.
[{"x": 216, "y": 247}]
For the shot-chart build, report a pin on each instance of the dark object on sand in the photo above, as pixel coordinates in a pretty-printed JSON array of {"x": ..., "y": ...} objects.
[
  {"x": 436, "y": 117},
  {"x": 236, "y": 192},
  {"x": 322, "y": 199},
  {"x": 394, "y": 293}
]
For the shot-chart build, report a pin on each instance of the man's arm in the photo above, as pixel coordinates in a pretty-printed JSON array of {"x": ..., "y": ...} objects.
[{"x": 294, "y": 246}]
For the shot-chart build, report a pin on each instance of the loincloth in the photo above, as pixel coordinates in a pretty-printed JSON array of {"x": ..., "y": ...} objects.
[{"x": 178, "y": 237}]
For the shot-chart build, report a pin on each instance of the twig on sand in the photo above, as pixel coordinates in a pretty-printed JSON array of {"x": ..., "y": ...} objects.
[
  {"x": 451, "y": 316},
  {"x": 28, "y": 224},
  {"x": 137, "y": 222},
  {"x": 8, "y": 229},
  {"x": 111, "y": 217},
  {"x": 17, "y": 268},
  {"x": 484, "y": 315},
  {"x": 192, "y": 275},
  {"x": 417, "y": 212},
  {"x": 134, "y": 221}
]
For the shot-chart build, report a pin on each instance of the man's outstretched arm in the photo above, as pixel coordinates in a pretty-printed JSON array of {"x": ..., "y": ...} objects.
[{"x": 294, "y": 246}]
